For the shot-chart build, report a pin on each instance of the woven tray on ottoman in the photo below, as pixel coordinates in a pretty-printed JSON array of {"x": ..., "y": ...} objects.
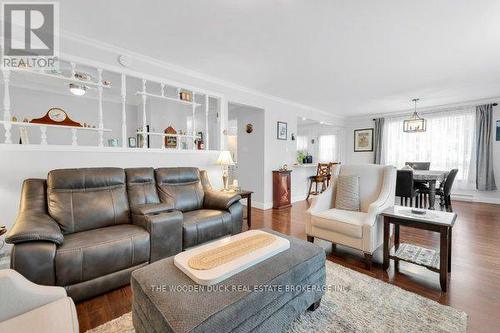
[{"x": 266, "y": 297}]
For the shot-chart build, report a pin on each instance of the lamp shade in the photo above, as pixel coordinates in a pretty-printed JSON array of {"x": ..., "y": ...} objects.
[{"x": 225, "y": 158}]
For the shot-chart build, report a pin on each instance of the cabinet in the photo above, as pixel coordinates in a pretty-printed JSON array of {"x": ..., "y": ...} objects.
[{"x": 282, "y": 197}]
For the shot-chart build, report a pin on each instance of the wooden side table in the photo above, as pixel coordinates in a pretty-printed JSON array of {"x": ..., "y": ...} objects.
[
  {"x": 436, "y": 261},
  {"x": 247, "y": 195}
]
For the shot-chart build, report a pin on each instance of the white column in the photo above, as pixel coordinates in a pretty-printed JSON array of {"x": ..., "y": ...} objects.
[
  {"x": 101, "y": 120},
  {"x": 73, "y": 70},
  {"x": 223, "y": 123},
  {"x": 194, "y": 120},
  {"x": 144, "y": 120},
  {"x": 206, "y": 122},
  {"x": 43, "y": 135},
  {"x": 124, "y": 111},
  {"x": 162, "y": 85},
  {"x": 74, "y": 138},
  {"x": 7, "y": 117}
]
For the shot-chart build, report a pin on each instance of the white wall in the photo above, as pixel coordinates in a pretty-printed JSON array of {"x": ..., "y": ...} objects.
[
  {"x": 250, "y": 149},
  {"x": 352, "y": 157}
]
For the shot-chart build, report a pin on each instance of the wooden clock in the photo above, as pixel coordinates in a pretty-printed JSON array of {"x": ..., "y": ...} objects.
[{"x": 56, "y": 116}]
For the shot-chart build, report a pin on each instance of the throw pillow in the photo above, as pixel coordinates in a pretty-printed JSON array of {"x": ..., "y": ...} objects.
[{"x": 347, "y": 196}]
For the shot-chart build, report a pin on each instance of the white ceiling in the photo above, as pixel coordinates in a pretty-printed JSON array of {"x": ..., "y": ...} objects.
[{"x": 345, "y": 57}]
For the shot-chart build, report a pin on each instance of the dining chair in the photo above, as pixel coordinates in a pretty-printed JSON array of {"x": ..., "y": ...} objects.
[
  {"x": 405, "y": 188},
  {"x": 323, "y": 176},
  {"x": 419, "y": 165},
  {"x": 444, "y": 191}
]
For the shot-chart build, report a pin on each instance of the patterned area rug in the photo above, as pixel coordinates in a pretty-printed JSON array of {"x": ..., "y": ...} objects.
[{"x": 357, "y": 303}]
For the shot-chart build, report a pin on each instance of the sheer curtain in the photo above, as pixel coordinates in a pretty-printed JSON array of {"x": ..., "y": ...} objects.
[
  {"x": 448, "y": 143},
  {"x": 327, "y": 148}
]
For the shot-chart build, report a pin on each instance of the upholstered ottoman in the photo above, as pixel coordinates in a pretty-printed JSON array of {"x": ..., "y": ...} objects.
[{"x": 266, "y": 297}]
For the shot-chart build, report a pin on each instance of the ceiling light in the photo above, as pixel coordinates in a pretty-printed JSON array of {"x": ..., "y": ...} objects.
[
  {"x": 304, "y": 118},
  {"x": 76, "y": 89},
  {"x": 415, "y": 124}
]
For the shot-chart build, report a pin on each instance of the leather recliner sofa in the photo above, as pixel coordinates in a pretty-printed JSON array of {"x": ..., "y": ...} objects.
[{"x": 88, "y": 229}]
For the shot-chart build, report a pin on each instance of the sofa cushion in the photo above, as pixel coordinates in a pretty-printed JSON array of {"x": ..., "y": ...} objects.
[
  {"x": 141, "y": 186},
  {"x": 204, "y": 225},
  {"x": 89, "y": 254},
  {"x": 349, "y": 223},
  {"x": 180, "y": 186},
  {"x": 371, "y": 178},
  {"x": 85, "y": 199},
  {"x": 347, "y": 195}
]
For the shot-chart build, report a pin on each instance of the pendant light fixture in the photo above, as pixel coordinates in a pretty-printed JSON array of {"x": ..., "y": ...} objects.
[
  {"x": 415, "y": 124},
  {"x": 77, "y": 89}
]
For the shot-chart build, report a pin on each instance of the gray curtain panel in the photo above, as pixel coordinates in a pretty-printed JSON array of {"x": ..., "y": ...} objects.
[
  {"x": 378, "y": 134},
  {"x": 485, "y": 178}
]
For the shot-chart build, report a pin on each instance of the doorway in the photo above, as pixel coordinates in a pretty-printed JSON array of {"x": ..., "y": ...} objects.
[{"x": 246, "y": 143}]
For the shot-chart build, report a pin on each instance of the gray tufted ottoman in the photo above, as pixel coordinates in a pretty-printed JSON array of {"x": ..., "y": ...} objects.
[{"x": 264, "y": 298}]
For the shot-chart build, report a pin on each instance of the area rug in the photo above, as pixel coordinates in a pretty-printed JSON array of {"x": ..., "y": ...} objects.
[{"x": 357, "y": 303}]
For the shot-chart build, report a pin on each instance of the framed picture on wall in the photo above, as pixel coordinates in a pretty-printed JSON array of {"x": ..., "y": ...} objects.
[
  {"x": 282, "y": 130},
  {"x": 363, "y": 140},
  {"x": 498, "y": 130}
]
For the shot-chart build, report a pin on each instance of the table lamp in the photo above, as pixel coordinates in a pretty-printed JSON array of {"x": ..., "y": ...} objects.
[{"x": 225, "y": 160}]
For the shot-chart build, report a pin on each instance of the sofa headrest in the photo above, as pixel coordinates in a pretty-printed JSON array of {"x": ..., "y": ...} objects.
[
  {"x": 140, "y": 175},
  {"x": 177, "y": 176},
  {"x": 85, "y": 178}
]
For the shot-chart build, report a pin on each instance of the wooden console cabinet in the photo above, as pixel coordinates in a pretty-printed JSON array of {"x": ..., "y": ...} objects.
[{"x": 282, "y": 190}]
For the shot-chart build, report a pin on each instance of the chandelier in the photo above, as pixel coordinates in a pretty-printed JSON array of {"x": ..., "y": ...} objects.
[{"x": 415, "y": 124}]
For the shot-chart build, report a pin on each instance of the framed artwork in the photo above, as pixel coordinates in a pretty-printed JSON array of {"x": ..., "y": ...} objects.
[
  {"x": 498, "y": 130},
  {"x": 363, "y": 140},
  {"x": 282, "y": 130}
]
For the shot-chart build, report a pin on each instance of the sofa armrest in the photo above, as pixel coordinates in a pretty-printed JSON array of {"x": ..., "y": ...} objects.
[
  {"x": 220, "y": 200},
  {"x": 165, "y": 233},
  {"x": 153, "y": 208},
  {"x": 35, "y": 226},
  {"x": 387, "y": 195},
  {"x": 20, "y": 295}
]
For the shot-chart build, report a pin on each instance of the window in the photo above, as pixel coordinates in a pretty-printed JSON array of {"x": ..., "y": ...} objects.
[
  {"x": 327, "y": 148},
  {"x": 301, "y": 143},
  {"x": 448, "y": 143}
]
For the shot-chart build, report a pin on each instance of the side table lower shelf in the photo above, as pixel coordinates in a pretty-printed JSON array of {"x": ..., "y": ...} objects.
[{"x": 414, "y": 254}]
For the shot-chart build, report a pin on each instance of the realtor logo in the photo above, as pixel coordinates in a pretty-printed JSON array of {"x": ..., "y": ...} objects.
[{"x": 30, "y": 35}]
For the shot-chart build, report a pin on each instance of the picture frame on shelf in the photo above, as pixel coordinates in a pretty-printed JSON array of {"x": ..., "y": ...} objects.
[
  {"x": 282, "y": 130},
  {"x": 132, "y": 142},
  {"x": 363, "y": 140}
]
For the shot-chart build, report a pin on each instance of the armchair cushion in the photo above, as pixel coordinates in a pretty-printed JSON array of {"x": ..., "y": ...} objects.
[
  {"x": 346, "y": 222},
  {"x": 220, "y": 200},
  {"x": 35, "y": 226}
]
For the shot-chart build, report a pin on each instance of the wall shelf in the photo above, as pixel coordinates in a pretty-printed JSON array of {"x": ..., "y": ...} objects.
[
  {"x": 167, "y": 98},
  {"x": 171, "y": 135},
  {"x": 23, "y": 124},
  {"x": 65, "y": 78}
]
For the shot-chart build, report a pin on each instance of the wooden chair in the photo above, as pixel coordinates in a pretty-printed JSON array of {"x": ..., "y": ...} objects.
[{"x": 323, "y": 176}]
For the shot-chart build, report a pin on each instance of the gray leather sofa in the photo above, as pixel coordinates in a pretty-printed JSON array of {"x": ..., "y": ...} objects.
[{"x": 88, "y": 229}]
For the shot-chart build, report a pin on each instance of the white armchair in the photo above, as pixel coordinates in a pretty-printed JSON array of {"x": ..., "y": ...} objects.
[
  {"x": 29, "y": 307},
  {"x": 361, "y": 230}
]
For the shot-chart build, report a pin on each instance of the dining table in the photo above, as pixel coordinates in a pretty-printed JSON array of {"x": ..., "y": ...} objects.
[{"x": 430, "y": 177}]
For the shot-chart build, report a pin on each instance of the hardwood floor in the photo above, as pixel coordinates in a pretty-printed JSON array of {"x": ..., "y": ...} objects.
[{"x": 474, "y": 285}]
